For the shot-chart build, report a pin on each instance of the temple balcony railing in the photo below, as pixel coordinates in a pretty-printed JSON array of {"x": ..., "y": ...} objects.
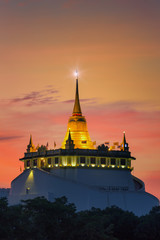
[{"x": 79, "y": 152}]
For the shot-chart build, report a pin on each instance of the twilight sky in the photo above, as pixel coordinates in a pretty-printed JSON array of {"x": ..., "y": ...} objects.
[{"x": 115, "y": 45}]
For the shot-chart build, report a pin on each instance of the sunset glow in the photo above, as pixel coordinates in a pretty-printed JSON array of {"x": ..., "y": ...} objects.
[{"x": 114, "y": 45}]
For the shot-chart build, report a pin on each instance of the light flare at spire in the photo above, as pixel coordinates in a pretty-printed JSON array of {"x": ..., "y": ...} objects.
[{"x": 76, "y": 74}]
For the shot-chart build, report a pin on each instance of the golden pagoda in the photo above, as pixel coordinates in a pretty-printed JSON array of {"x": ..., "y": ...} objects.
[{"x": 77, "y": 126}]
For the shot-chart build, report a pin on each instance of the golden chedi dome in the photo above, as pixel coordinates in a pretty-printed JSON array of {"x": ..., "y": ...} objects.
[{"x": 77, "y": 127}]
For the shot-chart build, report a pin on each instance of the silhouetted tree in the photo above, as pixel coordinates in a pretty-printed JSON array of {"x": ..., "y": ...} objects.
[
  {"x": 102, "y": 147},
  {"x": 149, "y": 226},
  {"x": 4, "y": 228},
  {"x": 40, "y": 219},
  {"x": 124, "y": 222},
  {"x": 42, "y": 149}
]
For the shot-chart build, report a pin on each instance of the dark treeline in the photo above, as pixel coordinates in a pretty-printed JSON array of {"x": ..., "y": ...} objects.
[{"x": 41, "y": 219}]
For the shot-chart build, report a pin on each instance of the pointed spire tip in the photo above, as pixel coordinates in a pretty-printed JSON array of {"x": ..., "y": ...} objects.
[{"x": 77, "y": 107}]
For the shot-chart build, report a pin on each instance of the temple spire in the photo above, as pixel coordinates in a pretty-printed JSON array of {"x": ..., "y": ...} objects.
[
  {"x": 77, "y": 107},
  {"x": 124, "y": 145},
  {"x": 77, "y": 135},
  {"x": 69, "y": 142},
  {"x": 31, "y": 147},
  {"x": 69, "y": 136},
  {"x": 31, "y": 141},
  {"x": 124, "y": 137}
]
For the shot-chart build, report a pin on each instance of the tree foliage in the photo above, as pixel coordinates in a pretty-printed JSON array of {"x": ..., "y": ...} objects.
[
  {"x": 102, "y": 147},
  {"x": 40, "y": 219},
  {"x": 42, "y": 149}
]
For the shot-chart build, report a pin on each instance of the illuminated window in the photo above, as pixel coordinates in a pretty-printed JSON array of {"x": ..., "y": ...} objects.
[
  {"x": 49, "y": 161},
  {"x": 123, "y": 162},
  {"x": 103, "y": 161},
  {"x": 28, "y": 163},
  {"x": 34, "y": 162},
  {"x": 113, "y": 161},
  {"x": 93, "y": 160},
  {"x": 42, "y": 163},
  {"x": 82, "y": 159},
  {"x": 56, "y": 160},
  {"x": 69, "y": 161}
]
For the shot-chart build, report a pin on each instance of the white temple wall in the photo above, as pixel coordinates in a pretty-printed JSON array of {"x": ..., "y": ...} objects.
[
  {"x": 103, "y": 178},
  {"x": 85, "y": 196}
]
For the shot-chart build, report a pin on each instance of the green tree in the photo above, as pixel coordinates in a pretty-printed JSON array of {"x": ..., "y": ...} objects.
[
  {"x": 4, "y": 228},
  {"x": 102, "y": 147},
  {"x": 124, "y": 222},
  {"x": 50, "y": 220},
  {"x": 42, "y": 149},
  {"x": 149, "y": 226}
]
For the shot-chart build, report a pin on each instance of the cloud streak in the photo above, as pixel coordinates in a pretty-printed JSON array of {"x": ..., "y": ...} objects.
[
  {"x": 85, "y": 100},
  {"x": 46, "y": 96},
  {"x": 8, "y": 138}
]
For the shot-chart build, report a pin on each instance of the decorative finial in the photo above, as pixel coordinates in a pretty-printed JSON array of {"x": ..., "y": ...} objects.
[
  {"x": 30, "y": 147},
  {"x": 124, "y": 137},
  {"x": 69, "y": 135},
  {"x": 69, "y": 142},
  {"x": 31, "y": 141},
  {"x": 124, "y": 145}
]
